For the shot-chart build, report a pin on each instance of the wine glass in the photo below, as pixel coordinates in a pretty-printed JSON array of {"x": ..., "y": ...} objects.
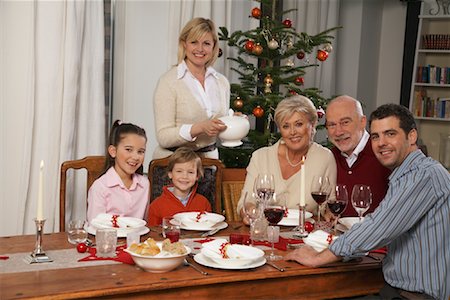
[
  {"x": 264, "y": 186},
  {"x": 273, "y": 236},
  {"x": 320, "y": 190},
  {"x": 361, "y": 199},
  {"x": 338, "y": 203},
  {"x": 274, "y": 209}
]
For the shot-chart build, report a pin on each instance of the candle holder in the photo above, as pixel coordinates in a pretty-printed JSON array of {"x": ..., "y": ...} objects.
[
  {"x": 38, "y": 255},
  {"x": 300, "y": 231}
]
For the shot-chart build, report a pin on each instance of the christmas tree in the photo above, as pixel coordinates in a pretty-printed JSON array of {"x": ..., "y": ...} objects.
[{"x": 273, "y": 74}]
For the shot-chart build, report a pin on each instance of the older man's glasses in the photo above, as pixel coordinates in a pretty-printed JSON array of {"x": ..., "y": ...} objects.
[{"x": 343, "y": 124}]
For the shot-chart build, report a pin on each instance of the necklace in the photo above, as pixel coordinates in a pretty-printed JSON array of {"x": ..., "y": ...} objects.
[{"x": 289, "y": 161}]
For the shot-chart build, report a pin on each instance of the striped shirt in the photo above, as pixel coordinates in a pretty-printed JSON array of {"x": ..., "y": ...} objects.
[{"x": 413, "y": 221}]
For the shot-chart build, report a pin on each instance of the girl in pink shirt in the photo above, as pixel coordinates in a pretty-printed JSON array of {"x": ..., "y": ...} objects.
[{"x": 122, "y": 189}]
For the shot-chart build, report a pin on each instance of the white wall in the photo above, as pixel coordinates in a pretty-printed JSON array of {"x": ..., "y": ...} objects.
[{"x": 369, "y": 55}]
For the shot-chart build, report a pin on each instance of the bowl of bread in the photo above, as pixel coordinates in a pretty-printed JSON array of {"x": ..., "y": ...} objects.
[{"x": 158, "y": 257}]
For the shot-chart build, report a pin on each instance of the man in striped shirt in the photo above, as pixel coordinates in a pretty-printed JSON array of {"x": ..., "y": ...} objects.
[{"x": 413, "y": 220}]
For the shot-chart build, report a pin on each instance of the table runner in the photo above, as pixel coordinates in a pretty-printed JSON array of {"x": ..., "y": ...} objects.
[{"x": 62, "y": 259}]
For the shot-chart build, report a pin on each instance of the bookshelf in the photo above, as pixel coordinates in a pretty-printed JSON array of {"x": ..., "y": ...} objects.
[{"x": 430, "y": 87}]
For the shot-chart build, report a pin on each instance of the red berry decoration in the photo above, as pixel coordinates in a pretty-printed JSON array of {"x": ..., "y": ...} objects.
[
  {"x": 257, "y": 49},
  {"x": 299, "y": 80},
  {"x": 249, "y": 45},
  {"x": 81, "y": 247},
  {"x": 256, "y": 13},
  {"x": 292, "y": 92},
  {"x": 322, "y": 55},
  {"x": 309, "y": 226},
  {"x": 301, "y": 55},
  {"x": 258, "y": 112},
  {"x": 287, "y": 23}
]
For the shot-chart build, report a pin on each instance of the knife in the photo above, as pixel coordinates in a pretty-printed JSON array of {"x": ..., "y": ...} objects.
[{"x": 211, "y": 232}]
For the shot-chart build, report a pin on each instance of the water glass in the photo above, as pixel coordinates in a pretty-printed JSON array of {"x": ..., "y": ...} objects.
[
  {"x": 76, "y": 232},
  {"x": 106, "y": 240},
  {"x": 133, "y": 237},
  {"x": 171, "y": 229},
  {"x": 273, "y": 236}
]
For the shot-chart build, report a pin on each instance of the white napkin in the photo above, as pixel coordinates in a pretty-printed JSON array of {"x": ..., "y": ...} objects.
[
  {"x": 105, "y": 221},
  {"x": 204, "y": 220},
  {"x": 212, "y": 249},
  {"x": 319, "y": 240}
]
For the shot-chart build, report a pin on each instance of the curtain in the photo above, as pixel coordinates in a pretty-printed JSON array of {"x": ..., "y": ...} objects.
[{"x": 51, "y": 104}]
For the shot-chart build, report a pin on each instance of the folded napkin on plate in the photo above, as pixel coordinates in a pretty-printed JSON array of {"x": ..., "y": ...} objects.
[
  {"x": 203, "y": 219},
  {"x": 319, "y": 240},
  {"x": 121, "y": 256},
  {"x": 109, "y": 220},
  {"x": 217, "y": 247}
]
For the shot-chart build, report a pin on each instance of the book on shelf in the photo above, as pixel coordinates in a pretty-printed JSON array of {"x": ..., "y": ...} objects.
[
  {"x": 430, "y": 107},
  {"x": 433, "y": 74}
]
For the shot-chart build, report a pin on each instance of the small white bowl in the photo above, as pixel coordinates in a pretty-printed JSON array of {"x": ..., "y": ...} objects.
[
  {"x": 160, "y": 263},
  {"x": 237, "y": 128},
  {"x": 251, "y": 254}
]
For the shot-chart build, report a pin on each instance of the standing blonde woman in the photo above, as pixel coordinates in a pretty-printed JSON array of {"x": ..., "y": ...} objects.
[
  {"x": 191, "y": 96},
  {"x": 296, "y": 119}
]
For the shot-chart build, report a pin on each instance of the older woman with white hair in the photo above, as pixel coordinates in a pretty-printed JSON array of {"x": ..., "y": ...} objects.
[{"x": 296, "y": 119}]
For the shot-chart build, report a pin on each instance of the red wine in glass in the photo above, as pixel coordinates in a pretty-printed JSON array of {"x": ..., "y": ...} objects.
[
  {"x": 274, "y": 215},
  {"x": 319, "y": 197},
  {"x": 173, "y": 236},
  {"x": 337, "y": 207}
]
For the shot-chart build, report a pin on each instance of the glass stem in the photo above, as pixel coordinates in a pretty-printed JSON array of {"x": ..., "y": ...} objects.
[{"x": 273, "y": 249}]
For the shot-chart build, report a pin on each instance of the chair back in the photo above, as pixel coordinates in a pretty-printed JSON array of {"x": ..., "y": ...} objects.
[
  {"x": 94, "y": 166},
  {"x": 209, "y": 186},
  {"x": 232, "y": 184}
]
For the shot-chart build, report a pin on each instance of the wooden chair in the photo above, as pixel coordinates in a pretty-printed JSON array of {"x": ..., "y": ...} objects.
[
  {"x": 209, "y": 186},
  {"x": 232, "y": 184},
  {"x": 94, "y": 166}
]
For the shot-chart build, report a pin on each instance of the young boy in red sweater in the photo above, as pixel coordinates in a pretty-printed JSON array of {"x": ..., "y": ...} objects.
[{"x": 184, "y": 169}]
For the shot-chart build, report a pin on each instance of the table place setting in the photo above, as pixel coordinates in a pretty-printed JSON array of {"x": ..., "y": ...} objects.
[
  {"x": 221, "y": 254},
  {"x": 201, "y": 221},
  {"x": 123, "y": 225}
]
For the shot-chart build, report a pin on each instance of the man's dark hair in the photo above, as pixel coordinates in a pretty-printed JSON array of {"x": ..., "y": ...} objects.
[{"x": 405, "y": 117}]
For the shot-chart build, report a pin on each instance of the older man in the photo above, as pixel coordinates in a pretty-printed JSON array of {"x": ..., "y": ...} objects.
[
  {"x": 355, "y": 160},
  {"x": 413, "y": 219}
]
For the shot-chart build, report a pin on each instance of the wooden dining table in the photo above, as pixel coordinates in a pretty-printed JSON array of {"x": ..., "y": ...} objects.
[{"x": 337, "y": 280}]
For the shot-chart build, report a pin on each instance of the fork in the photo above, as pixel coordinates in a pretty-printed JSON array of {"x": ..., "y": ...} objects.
[
  {"x": 211, "y": 232},
  {"x": 186, "y": 263}
]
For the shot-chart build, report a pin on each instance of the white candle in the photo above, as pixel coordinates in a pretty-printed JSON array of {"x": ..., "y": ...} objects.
[
  {"x": 40, "y": 204},
  {"x": 302, "y": 183}
]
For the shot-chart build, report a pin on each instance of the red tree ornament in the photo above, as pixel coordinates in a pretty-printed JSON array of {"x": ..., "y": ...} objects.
[
  {"x": 258, "y": 111},
  {"x": 249, "y": 45},
  {"x": 292, "y": 92},
  {"x": 322, "y": 55},
  {"x": 256, "y": 13},
  {"x": 301, "y": 55},
  {"x": 257, "y": 49},
  {"x": 287, "y": 23},
  {"x": 299, "y": 80}
]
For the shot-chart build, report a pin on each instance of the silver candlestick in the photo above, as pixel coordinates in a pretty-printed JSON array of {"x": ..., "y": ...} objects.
[
  {"x": 38, "y": 255},
  {"x": 300, "y": 229}
]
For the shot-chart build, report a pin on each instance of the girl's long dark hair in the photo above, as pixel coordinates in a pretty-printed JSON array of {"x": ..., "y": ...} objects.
[{"x": 118, "y": 131}]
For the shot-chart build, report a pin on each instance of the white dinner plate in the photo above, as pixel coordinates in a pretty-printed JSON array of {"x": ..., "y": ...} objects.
[
  {"x": 292, "y": 218},
  {"x": 341, "y": 228},
  {"x": 220, "y": 226},
  {"x": 120, "y": 233},
  {"x": 204, "y": 261},
  {"x": 348, "y": 222}
]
